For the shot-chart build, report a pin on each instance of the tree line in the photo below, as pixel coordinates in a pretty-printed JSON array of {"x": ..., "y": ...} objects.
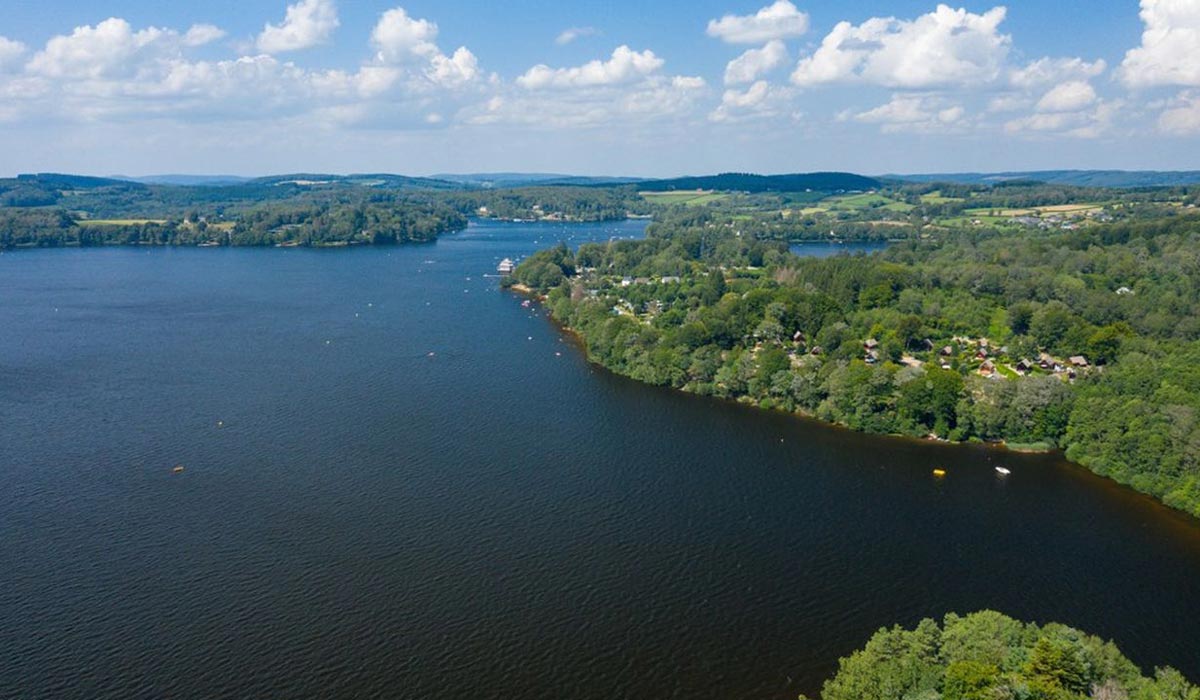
[
  {"x": 970, "y": 335},
  {"x": 990, "y": 656}
]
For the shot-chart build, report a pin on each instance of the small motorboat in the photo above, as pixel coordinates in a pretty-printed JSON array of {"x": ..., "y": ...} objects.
[
  {"x": 177, "y": 469},
  {"x": 1002, "y": 471}
]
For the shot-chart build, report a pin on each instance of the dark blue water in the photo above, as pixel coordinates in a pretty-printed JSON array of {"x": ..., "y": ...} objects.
[
  {"x": 361, "y": 518},
  {"x": 825, "y": 249}
]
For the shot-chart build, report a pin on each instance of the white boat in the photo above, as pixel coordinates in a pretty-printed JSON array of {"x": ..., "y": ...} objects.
[{"x": 1003, "y": 471}]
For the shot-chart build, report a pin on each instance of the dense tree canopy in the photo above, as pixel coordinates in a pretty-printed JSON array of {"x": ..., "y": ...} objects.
[
  {"x": 1085, "y": 339},
  {"x": 988, "y": 656}
]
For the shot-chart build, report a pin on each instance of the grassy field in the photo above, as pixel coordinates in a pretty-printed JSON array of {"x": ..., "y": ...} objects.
[
  {"x": 866, "y": 200},
  {"x": 1061, "y": 209},
  {"x": 936, "y": 197},
  {"x": 1071, "y": 208},
  {"x": 691, "y": 198},
  {"x": 120, "y": 222}
]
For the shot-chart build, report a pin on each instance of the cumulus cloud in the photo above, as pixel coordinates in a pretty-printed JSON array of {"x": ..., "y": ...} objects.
[
  {"x": 1182, "y": 117},
  {"x": 629, "y": 87},
  {"x": 306, "y": 24},
  {"x": 10, "y": 52},
  {"x": 1075, "y": 113},
  {"x": 1067, "y": 97},
  {"x": 778, "y": 21},
  {"x": 400, "y": 39},
  {"x": 625, "y": 65},
  {"x": 922, "y": 113},
  {"x": 1047, "y": 71},
  {"x": 111, "y": 48},
  {"x": 1168, "y": 54},
  {"x": 1008, "y": 103},
  {"x": 755, "y": 63},
  {"x": 760, "y": 100},
  {"x": 114, "y": 72},
  {"x": 201, "y": 34},
  {"x": 571, "y": 34},
  {"x": 654, "y": 98},
  {"x": 946, "y": 47}
]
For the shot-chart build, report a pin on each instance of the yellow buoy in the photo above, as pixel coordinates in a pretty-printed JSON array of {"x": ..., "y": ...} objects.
[{"x": 939, "y": 472}]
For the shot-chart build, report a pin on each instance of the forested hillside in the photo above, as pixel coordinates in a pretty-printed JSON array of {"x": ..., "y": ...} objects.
[
  {"x": 1085, "y": 339},
  {"x": 989, "y": 656},
  {"x": 309, "y": 210}
]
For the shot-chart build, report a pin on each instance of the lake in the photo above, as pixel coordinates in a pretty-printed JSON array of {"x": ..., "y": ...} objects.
[{"x": 398, "y": 482}]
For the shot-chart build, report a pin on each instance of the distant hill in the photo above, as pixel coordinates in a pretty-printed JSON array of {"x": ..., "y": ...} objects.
[
  {"x": 747, "y": 182},
  {"x": 1082, "y": 178},
  {"x": 504, "y": 180},
  {"x": 74, "y": 182},
  {"x": 188, "y": 180},
  {"x": 380, "y": 180}
]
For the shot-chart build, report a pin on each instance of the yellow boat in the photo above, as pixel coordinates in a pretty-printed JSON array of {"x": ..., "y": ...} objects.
[{"x": 939, "y": 472}]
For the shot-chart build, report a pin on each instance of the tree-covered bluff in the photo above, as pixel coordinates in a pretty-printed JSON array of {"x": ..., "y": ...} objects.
[
  {"x": 989, "y": 656},
  {"x": 62, "y": 210},
  {"x": 1084, "y": 340}
]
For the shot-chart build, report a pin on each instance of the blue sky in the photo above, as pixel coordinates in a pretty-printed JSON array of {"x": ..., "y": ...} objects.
[{"x": 663, "y": 88}]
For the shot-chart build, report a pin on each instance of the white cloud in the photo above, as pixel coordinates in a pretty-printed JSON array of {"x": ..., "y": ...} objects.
[
  {"x": 109, "y": 49},
  {"x": 917, "y": 113},
  {"x": 946, "y": 47},
  {"x": 755, "y": 63},
  {"x": 778, "y": 21},
  {"x": 306, "y": 24},
  {"x": 456, "y": 69},
  {"x": 1047, "y": 71},
  {"x": 654, "y": 98},
  {"x": 112, "y": 72},
  {"x": 1168, "y": 54},
  {"x": 398, "y": 37},
  {"x": 758, "y": 101},
  {"x": 1070, "y": 96},
  {"x": 201, "y": 34},
  {"x": 1008, "y": 103},
  {"x": 573, "y": 33},
  {"x": 1092, "y": 121},
  {"x": 1182, "y": 118},
  {"x": 628, "y": 88},
  {"x": 403, "y": 40},
  {"x": 624, "y": 66},
  {"x": 10, "y": 52}
]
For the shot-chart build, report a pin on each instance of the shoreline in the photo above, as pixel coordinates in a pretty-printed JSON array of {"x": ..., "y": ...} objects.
[{"x": 1015, "y": 448}]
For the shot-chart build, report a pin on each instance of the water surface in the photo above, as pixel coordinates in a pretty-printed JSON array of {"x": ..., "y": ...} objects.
[{"x": 401, "y": 483}]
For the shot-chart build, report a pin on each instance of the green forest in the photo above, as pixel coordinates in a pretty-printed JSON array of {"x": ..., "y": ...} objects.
[
  {"x": 1083, "y": 338},
  {"x": 989, "y": 656},
  {"x": 298, "y": 210}
]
